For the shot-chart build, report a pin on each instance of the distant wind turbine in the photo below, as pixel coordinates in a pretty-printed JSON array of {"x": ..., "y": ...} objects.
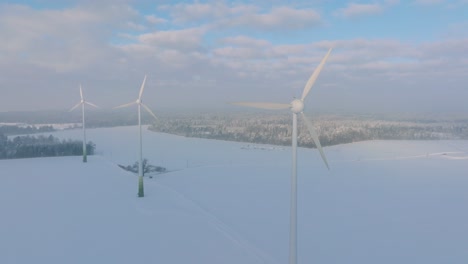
[
  {"x": 139, "y": 102},
  {"x": 82, "y": 103},
  {"x": 297, "y": 107}
]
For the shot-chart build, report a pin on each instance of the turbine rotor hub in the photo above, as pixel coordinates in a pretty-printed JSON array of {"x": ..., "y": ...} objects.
[
  {"x": 297, "y": 106},
  {"x": 138, "y": 101}
]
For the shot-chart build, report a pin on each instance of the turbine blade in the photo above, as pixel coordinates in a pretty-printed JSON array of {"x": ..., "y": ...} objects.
[
  {"x": 314, "y": 135},
  {"x": 149, "y": 110},
  {"x": 81, "y": 92},
  {"x": 124, "y": 105},
  {"x": 261, "y": 105},
  {"x": 91, "y": 104},
  {"x": 142, "y": 88},
  {"x": 73, "y": 108},
  {"x": 314, "y": 76}
]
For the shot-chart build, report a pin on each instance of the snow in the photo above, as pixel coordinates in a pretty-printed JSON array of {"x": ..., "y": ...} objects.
[
  {"x": 381, "y": 202},
  {"x": 59, "y": 126}
]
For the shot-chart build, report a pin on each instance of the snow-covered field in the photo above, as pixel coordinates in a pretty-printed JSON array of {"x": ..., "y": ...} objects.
[
  {"x": 224, "y": 202},
  {"x": 60, "y": 126}
]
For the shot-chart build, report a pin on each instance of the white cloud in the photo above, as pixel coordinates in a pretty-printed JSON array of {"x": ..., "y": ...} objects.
[
  {"x": 352, "y": 60},
  {"x": 185, "y": 39},
  {"x": 134, "y": 26},
  {"x": 237, "y": 53},
  {"x": 197, "y": 12},
  {"x": 155, "y": 20},
  {"x": 289, "y": 50},
  {"x": 451, "y": 48},
  {"x": 391, "y": 2},
  {"x": 241, "y": 15},
  {"x": 81, "y": 43},
  {"x": 245, "y": 41},
  {"x": 356, "y": 10},
  {"x": 279, "y": 18},
  {"x": 428, "y": 2},
  {"x": 62, "y": 40}
]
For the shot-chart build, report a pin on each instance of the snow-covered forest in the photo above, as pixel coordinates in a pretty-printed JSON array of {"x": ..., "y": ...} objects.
[
  {"x": 40, "y": 146},
  {"x": 333, "y": 129},
  {"x": 16, "y": 129}
]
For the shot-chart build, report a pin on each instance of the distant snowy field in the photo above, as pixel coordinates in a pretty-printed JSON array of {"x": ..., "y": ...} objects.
[{"x": 382, "y": 202}]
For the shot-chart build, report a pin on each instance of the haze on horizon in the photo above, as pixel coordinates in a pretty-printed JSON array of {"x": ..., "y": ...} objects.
[{"x": 388, "y": 55}]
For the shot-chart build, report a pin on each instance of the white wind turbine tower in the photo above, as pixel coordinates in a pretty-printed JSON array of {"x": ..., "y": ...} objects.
[
  {"x": 82, "y": 103},
  {"x": 297, "y": 107},
  {"x": 140, "y": 164}
]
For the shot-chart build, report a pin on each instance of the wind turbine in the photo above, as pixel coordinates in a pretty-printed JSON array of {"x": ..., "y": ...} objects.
[
  {"x": 297, "y": 107},
  {"x": 82, "y": 103},
  {"x": 140, "y": 164}
]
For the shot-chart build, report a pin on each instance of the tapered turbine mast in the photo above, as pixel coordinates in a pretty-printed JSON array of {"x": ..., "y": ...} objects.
[
  {"x": 83, "y": 102},
  {"x": 139, "y": 102},
  {"x": 297, "y": 107}
]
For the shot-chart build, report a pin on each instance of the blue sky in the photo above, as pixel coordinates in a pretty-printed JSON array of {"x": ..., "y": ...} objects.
[{"x": 389, "y": 55}]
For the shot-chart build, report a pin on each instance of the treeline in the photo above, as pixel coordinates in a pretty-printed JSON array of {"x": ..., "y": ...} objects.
[
  {"x": 101, "y": 118},
  {"x": 16, "y": 130},
  {"x": 41, "y": 146},
  {"x": 333, "y": 130}
]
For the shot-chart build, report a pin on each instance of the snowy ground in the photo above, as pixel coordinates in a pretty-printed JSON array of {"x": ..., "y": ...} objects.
[
  {"x": 382, "y": 202},
  {"x": 60, "y": 126}
]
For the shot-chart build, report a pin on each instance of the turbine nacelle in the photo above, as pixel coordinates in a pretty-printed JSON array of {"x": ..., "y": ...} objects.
[
  {"x": 82, "y": 102},
  {"x": 139, "y": 101},
  {"x": 297, "y": 106}
]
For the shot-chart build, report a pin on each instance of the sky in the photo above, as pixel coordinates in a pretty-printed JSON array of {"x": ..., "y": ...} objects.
[{"x": 388, "y": 55}]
